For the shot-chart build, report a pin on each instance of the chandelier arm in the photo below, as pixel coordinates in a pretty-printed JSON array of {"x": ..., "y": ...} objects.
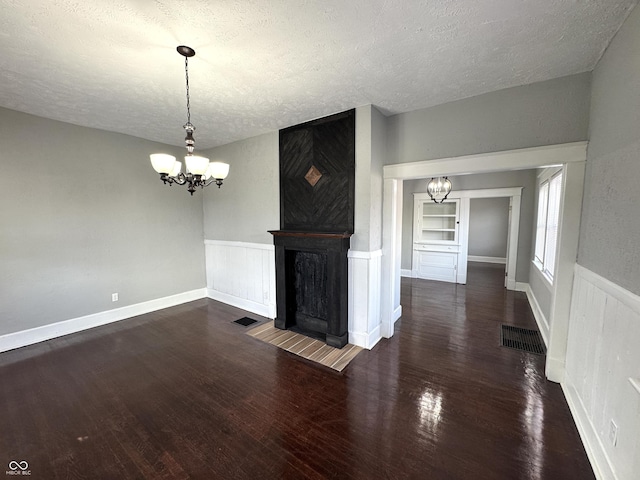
[
  {"x": 217, "y": 181},
  {"x": 180, "y": 179}
]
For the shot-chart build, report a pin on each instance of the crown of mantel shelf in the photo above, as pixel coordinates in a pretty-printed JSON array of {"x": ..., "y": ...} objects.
[{"x": 293, "y": 233}]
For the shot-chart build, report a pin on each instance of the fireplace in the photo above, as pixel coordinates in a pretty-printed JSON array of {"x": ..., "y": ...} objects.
[
  {"x": 317, "y": 191},
  {"x": 311, "y": 284}
]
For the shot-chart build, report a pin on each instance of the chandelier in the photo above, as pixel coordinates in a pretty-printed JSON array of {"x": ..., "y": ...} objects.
[
  {"x": 439, "y": 188},
  {"x": 199, "y": 172}
]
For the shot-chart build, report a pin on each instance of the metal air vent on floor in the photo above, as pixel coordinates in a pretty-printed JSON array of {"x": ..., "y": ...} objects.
[
  {"x": 522, "y": 339},
  {"x": 245, "y": 321}
]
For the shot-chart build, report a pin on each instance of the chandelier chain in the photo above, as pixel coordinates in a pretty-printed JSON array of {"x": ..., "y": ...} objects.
[{"x": 186, "y": 72}]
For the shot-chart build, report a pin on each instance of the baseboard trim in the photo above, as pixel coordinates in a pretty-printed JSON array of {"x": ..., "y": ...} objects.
[
  {"x": 364, "y": 255},
  {"x": 480, "y": 258},
  {"x": 405, "y": 272},
  {"x": 590, "y": 439},
  {"x": 365, "y": 340},
  {"x": 521, "y": 286},
  {"x": 397, "y": 313},
  {"x": 261, "y": 309},
  {"x": 541, "y": 319},
  {"x": 555, "y": 369},
  {"x": 23, "y": 338}
]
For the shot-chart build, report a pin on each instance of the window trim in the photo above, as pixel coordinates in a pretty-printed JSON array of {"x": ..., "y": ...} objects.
[{"x": 545, "y": 177}]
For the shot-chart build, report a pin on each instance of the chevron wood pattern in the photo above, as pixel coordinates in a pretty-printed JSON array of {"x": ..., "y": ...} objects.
[{"x": 328, "y": 144}]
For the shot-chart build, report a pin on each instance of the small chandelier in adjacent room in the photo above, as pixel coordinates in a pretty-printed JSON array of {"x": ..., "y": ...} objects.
[
  {"x": 199, "y": 172},
  {"x": 439, "y": 188}
]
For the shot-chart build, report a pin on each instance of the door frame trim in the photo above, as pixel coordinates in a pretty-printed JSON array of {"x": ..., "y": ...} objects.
[
  {"x": 514, "y": 194},
  {"x": 526, "y": 158}
]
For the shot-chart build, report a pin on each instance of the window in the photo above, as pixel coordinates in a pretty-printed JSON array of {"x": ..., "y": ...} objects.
[{"x": 547, "y": 224}]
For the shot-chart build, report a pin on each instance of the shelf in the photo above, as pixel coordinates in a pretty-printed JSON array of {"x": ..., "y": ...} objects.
[{"x": 436, "y": 223}]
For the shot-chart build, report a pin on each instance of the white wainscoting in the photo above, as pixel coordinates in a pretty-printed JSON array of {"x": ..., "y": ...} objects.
[
  {"x": 602, "y": 365},
  {"x": 364, "y": 298},
  {"x": 66, "y": 327},
  {"x": 243, "y": 275}
]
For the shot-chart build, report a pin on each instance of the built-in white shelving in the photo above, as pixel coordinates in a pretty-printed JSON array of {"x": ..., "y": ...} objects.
[{"x": 435, "y": 238}]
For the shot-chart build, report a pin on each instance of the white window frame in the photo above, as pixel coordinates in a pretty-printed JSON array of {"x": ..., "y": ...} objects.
[{"x": 549, "y": 186}]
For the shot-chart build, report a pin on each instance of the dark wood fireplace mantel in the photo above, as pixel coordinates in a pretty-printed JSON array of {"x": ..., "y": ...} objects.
[
  {"x": 317, "y": 195},
  {"x": 312, "y": 284},
  {"x": 293, "y": 233}
]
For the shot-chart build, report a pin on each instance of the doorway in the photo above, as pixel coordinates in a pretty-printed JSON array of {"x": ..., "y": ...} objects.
[
  {"x": 488, "y": 230},
  {"x": 571, "y": 156},
  {"x": 513, "y": 196},
  {"x": 459, "y": 244}
]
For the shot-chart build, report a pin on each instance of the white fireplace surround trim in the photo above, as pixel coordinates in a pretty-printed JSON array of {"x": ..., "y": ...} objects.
[
  {"x": 364, "y": 297},
  {"x": 242, "y": 274}
]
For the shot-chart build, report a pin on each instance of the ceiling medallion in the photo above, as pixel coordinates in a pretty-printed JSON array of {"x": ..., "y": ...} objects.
[{"x": 199, "y": 172}]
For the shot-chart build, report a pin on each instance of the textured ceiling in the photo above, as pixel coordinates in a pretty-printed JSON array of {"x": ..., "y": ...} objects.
[{"x": 263, "y": 65}]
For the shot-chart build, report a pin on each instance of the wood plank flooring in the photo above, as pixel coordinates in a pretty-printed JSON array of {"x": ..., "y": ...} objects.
[
  {"x": 305, "y": 347},
  {"x": 185, "y": 393}
]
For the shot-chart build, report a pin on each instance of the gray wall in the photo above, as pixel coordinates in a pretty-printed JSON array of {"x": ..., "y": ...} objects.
[
  {"x": 84, "y": 216},
  {"x": 602, "y": 340},
  {"x": 378, "y": 156},
  {"x": 610, "y": 224},
  {"x": 549, "y": 112},
  {"x": 370, "y": 155},
  {"x": 543, "y": 113},
  {"x": 520, "y": 178},
  {"x": 248, "y": 204},
  {"x": 488, "y": 227}
]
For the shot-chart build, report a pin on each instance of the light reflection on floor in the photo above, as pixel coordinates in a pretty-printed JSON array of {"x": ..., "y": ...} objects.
[{"x": 430, "y": 410}]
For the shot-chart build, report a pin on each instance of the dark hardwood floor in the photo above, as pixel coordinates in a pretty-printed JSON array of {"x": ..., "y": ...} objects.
[{"x": 184, "y": 393}]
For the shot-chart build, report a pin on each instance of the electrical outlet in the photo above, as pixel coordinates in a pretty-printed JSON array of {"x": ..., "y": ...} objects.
[
  {"x": 114, "y": 297},
  {"x": 613, "y": 433}
]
